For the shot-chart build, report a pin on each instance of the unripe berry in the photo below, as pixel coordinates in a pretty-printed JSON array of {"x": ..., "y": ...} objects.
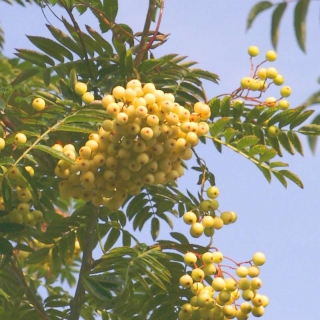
[
  {"x": 196, "y": 230},
  {"x": 285, "y": 91},
  {"x": 190, "y": 217},
  {"x": 242, "y": 271},
  {"x": 259, "y": 258},
  {"x": 262, "y": 73},
  {"x": 212, "y": 192},
  {"x": 271, "y": 102},
  {"x": 88, "y": 97},
  {"x": 271, "y": 55},
  {"x": 272, "y": 73},
  {"x": 2, "y": 143},
  {"x": 80, "y": 88},
  {"x": 38, "y": 104},
  {"x": 20, "y": 138},
  {"x": 118, "y": 92},
  {"x": 283, "y": 104},
  {"x": 253, "y": 271},
  {"x": 278, "y": 80},
  {"x": 273, "y": 131},
  {"x": 253, "y": 51},
  {"x": 190, "y": 258}
]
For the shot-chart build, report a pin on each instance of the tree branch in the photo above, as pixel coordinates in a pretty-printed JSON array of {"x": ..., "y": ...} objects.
[
  {"x": 87, "y": 262},
  {"x": 143, "y": 46}
]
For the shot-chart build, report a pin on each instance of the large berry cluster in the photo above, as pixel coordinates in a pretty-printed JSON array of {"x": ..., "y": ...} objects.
[
  {"x": 217, "y": 293},
  {"x": 143, "y": 140}
]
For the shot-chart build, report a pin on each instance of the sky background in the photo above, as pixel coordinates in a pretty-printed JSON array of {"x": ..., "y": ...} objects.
[{"x": 282, "y": 223}]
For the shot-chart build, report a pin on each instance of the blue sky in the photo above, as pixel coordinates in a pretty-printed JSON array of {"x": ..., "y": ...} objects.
[{"x": 283, "y": 223}]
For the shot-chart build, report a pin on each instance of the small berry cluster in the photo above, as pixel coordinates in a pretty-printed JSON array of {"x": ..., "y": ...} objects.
[
  {"x": 143, "y": 140},
  {"x": 218, "y": 297},
  {"x": 257, "y": 81},
  {"x": 24, "y": 211},
  {"x": 206, "y": 219}
]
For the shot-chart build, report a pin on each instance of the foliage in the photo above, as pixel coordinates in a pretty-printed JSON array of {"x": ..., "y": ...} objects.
[
  {"x": 300, "y": 12},
  {"x": 45, "y": 253}
]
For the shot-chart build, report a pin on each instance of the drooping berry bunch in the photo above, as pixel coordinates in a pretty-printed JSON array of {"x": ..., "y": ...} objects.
[
  {"x": 259, "y": 80},
  {"x": 205, "y": 219},
  {"x": 24, "y": 211},
  {"x": 143, "y": 140},
  {"x": 218, "y": 293}
]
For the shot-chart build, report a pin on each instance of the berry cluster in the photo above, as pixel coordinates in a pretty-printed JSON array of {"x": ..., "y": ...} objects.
[
  {"x": 258, "y": 81},
  {"x": 24, "y": 211},
  {"x": 217, "y": 292},
  {"x": 206, "y": 220},
  {"x": 143, "y": 140}
]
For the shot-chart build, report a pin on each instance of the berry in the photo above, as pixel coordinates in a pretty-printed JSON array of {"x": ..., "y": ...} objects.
[
  {"x": 190, "y": 258},
  {"x": 283, "y": 104},
  {"x": 245, "y": 82},
  {"x": 272, "y": 73},
  {"x": 271, "y": 55},
  {"x": 271, "y": 102},
  {"x": 38, "y": 104},
  {"x": 189, "y": 217},
  {"x": 212, "y": 192},
  {"x": 273, "y": 131},
  {"x": 278, "y": 80},
  {"x": 2, "y": 143},
  {"x": 253, "y": 51},
  {"x": 80, "y": 88},
  {"x": 197, "y": 274},
  {"x": 262, "y": 73},
  {"x": 186, "y": 281},
  {"x": 196, "y": 230},
  {"x": 285, "y": 91},
  {"x": 87, "y": 97},
  {"x": 259, "y": 258},
  {"x": 20, "y": 138}
]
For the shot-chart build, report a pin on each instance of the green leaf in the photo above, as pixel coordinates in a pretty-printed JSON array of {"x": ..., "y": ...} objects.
[
  {"x": 218, "y": 126},
  {"x": 6, "y": 160},
  {"x": 301, "y": 118},
  {"x": 96, "y": 289},
  {"x": 129, "y": 63},
  {"x": 150, "y": 64},
  {"x": 3, "y": 294},
  {"x": 285, "y": 142},
  {"x": 276, "y": 18},
  {"x": 34, "y": 57},
  {"x": 37, "y": 256},
  {"x": 266, "y": 172},
  {"x": 52, "y": 48},
  {"x": 100, "y": 40},
  {"x": 267, "y": 114},
  {"x": 180, "y": 237},
  {"x": 278, "y": 164},
  {"x": 293, "y": 177},
  {"x": 155, "y": 227},
  {"x": 281, "y": 178},
  {"x": 267, "y": 155},
  {"x": 25, "y": 75},
  {"x": 66, "y": 40},
  {"x": 7, "y": 227},
  {"x": 247, "y": 141},
  {"x": 54, "y": 153},
  {"x": 205, "y": 75},
  {"x": 310, "y": 130},
  {"x": 300, "y": 13},
  {"x": 257, "y": 149},
  {"x": 112, "y": 238},
  {"x": 229, "y": 134},
  {"x": 256, "y": 9},
  {"x": 225, "y": 106},
  {"x": 5, "y": 246},
  {"x": 110, "y": 9},
  {"x": 295, "y": 140}
]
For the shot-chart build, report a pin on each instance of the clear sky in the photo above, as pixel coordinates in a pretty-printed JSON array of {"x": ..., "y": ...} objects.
[{"x": 283, "y": 223}]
